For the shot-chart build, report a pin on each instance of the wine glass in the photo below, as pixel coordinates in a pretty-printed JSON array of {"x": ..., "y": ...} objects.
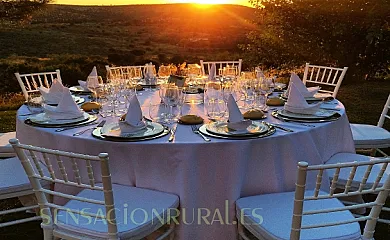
[
  {"x": 267, "y": 86},
  {"x": 171, "y": 97},
  {"x": 164, "y": 72},
  {"x": 35, "y": 104}
]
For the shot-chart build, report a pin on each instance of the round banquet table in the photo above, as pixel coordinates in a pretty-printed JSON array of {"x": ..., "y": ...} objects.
[{"x": 207, "y": 176}]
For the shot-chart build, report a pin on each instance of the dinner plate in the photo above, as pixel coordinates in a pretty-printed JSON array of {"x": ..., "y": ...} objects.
[
  {"x": 112, "y": 130},
  {"x": 43, "y": 119},
  {"x": 79, "y": 90},
  {"x": 320, "y": 114},
  {"x": 98, "y": 134},
  {"x": 270, "y": 131},
  {"x": 334, "y": 117},
  {"x": 221, "y": 128},
  {"x": 90, "y": 119}
]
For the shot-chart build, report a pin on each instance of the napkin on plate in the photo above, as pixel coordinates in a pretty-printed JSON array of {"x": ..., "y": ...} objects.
[
  {"x": 259, "y": 73},
  {"x": 149, "y": 73},
  {"x": 66, "y": 109},
  {"x": 306, "y": 92},
  {"x": 133, "y": 121},
  {"x": 296, "y": 103},
  {"x": 92, "y": 80},
  {"x": 212, "y": 72},
  {"x": 236, "y": 120},
  {"x": 52, "y": 95}
]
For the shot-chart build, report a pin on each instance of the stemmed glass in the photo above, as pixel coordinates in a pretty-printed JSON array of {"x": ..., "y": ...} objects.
[
  {"x": 214, "y": 101},
  {"x": 172, "y": 97},
  {"x": 35, "y": 104},
  {"x": 267, "y": 86},
  {"x": 164, "y": 72}
]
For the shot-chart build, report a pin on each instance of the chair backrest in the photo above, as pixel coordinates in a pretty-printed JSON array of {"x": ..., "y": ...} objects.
[
  {"x": 329, "y": 77},
  {"x": 384, "y": 113},
  {"x": 57, "y": 163},
  {"x": 206, "y": 66},
  {"x": 376, "y": 206},
  {"x": 125, "y": 72},
  {"x": 30, "y": 82}
]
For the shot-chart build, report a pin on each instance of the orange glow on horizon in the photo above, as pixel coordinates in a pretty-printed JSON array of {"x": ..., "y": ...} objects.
[{"x": 129, "y": 2}]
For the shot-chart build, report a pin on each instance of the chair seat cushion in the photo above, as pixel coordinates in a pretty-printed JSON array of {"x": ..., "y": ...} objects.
[
  {"x": 360, "y": 171},
  {"x": 269, "y": 216},
  {"x": 13, "y": 178},
  {"x": 6, "y": 149},
  {"x": 370, "y": 136},
  {"x": 138, "y": 212}
]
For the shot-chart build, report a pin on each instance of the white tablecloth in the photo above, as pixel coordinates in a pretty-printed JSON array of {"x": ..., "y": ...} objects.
[{"x": 208, "y": 177}]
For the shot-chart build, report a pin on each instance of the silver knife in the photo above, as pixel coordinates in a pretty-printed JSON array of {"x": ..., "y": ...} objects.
[
  {"x": 172, "y": 131},
  {"x": 278, "y": 126}
]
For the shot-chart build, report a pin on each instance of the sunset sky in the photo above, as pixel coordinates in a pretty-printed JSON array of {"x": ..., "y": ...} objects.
[{"x": 125, "y": 2}]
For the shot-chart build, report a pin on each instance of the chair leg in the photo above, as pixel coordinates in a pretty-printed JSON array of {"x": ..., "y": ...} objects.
[
  {"x": 373, "y": 152},
  {"x": 48, "y": 234}
]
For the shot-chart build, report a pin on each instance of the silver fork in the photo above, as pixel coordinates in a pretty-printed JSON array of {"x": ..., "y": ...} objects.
[
  {"x": 101, "y": 124},
  {"x": 195, "y": 129}
]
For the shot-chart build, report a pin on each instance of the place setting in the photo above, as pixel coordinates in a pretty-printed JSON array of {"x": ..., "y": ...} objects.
[
  {"x": 236, "y": 128},
  {"x": 131, "y": 127},
  {"x": 65, "y": 114},
  {"x": 89, "y": 86},
  {"x": 297, "y": 109}
]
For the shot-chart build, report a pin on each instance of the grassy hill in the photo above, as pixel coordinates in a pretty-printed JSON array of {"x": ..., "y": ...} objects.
[
  {"x": 101, "y": 30},
  {"x": 75, "y": 38}
]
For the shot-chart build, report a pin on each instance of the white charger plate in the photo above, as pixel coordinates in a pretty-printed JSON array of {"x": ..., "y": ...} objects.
[
  {"x": 43, "y": 119},
  {"x": 320, "y": 114},
  {"x": 113, "y": 130},
  {"x": 221, "y": 128}
]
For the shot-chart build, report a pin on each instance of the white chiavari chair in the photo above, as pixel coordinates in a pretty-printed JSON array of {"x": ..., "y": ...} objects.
[
  {"x": 329, "y": 78},
  {"x": 100, "y": 210},
  {"x": 373, "y": 137},
  {"x": 206, "y": 66},
  {"x": 314, "y": 214},
  {"x": 29, "y": 83},
  {"x": 14, "y": 183},
  {"x": 6, "y": 149}
]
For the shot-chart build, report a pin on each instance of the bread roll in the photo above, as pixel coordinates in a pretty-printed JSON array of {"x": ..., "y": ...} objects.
[
  {"x": 275, "y": 102},
  {"x": 191, "y": 119},
  {"x": 89, "y": 106},
  {"x": 254, "y": 114}
]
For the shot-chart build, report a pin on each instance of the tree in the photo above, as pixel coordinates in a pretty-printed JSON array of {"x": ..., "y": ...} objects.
[
  {"x": 353, "y": 33},
  {"x": 16, "y": 10}
]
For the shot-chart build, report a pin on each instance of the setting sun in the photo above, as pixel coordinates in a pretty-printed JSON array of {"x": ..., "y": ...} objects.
[{"x": 211, "y": 1}]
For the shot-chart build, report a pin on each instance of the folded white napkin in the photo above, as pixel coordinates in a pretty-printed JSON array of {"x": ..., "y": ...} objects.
[
  {"x": 52, "y": 95},
  {"x": 259, "y": 73},
  {"x": 149, "y": 70},
  {"x": 306, "y": 92},
  {"x": 212, "y": 72},
  {"x": 133, "y": 121},
  {"x": 66, "y": 109},
  {"x": 296, "y": 103},
  {"x": 92, "y": 80},
  {"x": 236, "y": 120}
]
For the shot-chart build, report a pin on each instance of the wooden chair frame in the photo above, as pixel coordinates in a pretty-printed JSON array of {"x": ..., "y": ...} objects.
[
  {"x": 300, "y": 198},
  {"x": 219, "y": 65},
  {"x": 327, "y": 76},
  {"x": 30, "y": 82}
]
